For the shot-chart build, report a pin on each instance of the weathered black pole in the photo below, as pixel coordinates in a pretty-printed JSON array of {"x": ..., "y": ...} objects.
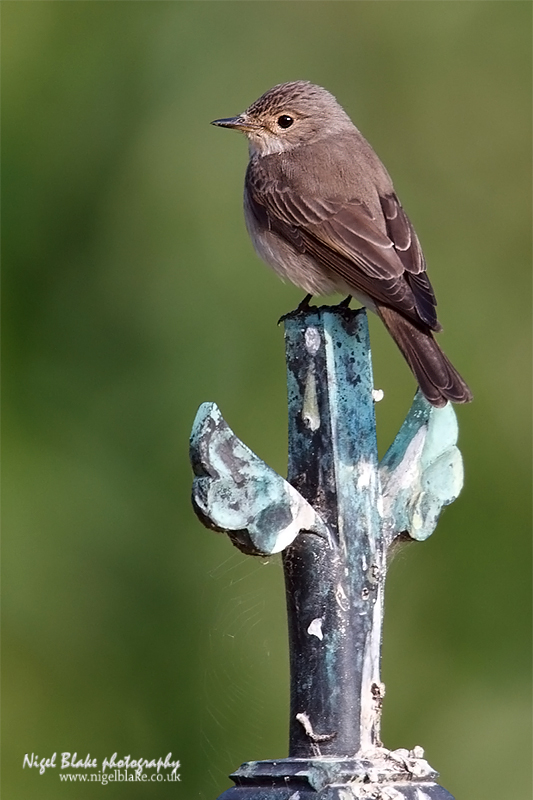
[
  {"x": 333, "y": 587},
  {"x": 334, "y": 520}
]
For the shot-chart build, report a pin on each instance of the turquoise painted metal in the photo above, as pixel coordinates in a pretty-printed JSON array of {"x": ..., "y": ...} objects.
[{"x": 333, "y": 520}]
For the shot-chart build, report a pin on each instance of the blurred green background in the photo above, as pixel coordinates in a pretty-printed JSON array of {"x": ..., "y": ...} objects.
[{"x": 132, "y": 294}]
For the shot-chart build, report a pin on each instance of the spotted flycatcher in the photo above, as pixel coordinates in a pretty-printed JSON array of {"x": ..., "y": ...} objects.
[{"x": 321, "y": 210}]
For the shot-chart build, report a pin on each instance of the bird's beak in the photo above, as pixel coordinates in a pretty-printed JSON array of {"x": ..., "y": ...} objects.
[{"x": 240, "y": 123}]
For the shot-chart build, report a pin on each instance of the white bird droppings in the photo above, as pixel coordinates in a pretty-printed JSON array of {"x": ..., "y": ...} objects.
[
  {"x": 365, "y": 475},
  {"x": 315, "y": 628},
  {"x": 312, "y": 340}
]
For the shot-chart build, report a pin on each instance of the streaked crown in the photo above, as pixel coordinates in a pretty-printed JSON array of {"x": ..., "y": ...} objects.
[{"x": 289, "y": 115}]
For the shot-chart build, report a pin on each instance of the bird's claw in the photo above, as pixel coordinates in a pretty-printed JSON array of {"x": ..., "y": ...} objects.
[
  {"x": 344, "y": 303},
  {"x": 302, "y": 308}
]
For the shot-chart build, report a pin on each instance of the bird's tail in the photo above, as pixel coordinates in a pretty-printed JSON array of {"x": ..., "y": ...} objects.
[{"x": 437, "y": 377}]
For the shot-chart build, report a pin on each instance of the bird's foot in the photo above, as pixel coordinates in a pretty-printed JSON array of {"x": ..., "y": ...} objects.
[
  {"x": 303, "y": 308},
  {"x": 344, "y": 303}
]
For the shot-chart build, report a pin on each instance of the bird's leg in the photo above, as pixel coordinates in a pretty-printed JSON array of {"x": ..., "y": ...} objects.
[
  {"x": 302, "y": 308},
  {"x": 304, "y": 305}
]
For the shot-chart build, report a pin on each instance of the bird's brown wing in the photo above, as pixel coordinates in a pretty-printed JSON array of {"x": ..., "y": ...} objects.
[
  {"x": 407, "y": 246},
  {"x": 347, "y": 240}
]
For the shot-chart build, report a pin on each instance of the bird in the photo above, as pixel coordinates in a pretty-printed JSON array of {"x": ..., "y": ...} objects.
[{"x": 322, "y": 211}]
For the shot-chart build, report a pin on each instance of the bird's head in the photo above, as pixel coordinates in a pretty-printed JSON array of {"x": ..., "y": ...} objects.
[{"x": 287, "y": 116}]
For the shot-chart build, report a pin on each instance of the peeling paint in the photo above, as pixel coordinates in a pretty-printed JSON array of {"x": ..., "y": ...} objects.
[
  {"x": 341, "y": 598},
  {"x": 371, "y": 701},
  {"x": 310, "y": 412}
]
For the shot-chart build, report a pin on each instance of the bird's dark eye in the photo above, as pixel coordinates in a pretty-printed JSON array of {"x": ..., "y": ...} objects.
[{"x": 285, "y": 121}]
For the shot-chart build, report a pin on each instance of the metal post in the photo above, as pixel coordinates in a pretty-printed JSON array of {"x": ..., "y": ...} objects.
[
  {"x": 334, "y": 520},
  {"x": 334, "y": 588}
]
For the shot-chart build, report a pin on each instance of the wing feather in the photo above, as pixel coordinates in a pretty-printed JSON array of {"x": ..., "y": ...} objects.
[{"x": 379, "y": 256}]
